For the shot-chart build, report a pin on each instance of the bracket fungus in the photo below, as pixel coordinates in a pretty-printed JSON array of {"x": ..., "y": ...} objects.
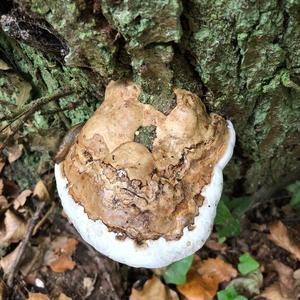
[{"x": 141, "y": 207}]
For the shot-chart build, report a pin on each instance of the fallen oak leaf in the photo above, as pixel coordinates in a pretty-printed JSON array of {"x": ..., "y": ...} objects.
[
  {"x": 288, "y": 285},
  {"x": 89, "y": 285},
  {"x": 280, "y": 236},
  {"x": 37, "y": 296},
  {"x": 2, "y": 164},
  {"x": 286, "y": 281},
  {"x": 21, "y": 199},
  {"x": 41, "y": 192},
  {"x": 3, "y": 203},
  {"x": 215, "y": 246},
  {"x": 1, "y": 186},
  {"x": 204, "y": 278},
  {"x": 7, "y": 261},
  {"x": 62, "y": 296},
  {"x": 153, "y": 289},
  {"x": 14, "y": 152},
  {"x": 58, "y": 257},
  {"x": 4, "y": 66},
  {"x": 32, "y": 258},
  {"x": 296, "y": 275},
  {"x": 3, "y": 295},
  {"x": 216, "y": 268},
  {"x": 14, "y": 229},
  {"x": 11, "y": 189},
  {"x": 273, "y": 292}
]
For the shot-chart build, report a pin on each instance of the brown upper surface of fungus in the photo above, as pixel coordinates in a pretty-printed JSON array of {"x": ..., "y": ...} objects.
[{"x": 135, "y": 192}]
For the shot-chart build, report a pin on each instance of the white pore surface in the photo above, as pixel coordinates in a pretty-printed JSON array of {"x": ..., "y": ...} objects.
[{"x": 155, "y": 253}]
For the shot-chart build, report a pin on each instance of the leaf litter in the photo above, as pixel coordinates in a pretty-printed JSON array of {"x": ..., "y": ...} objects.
[{"x": 259, "y": 258}]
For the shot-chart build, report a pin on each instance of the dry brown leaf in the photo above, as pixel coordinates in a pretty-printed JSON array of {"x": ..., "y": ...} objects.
[
  {"x": 215, "y": 246},
  {"x": 1, "y": 186},
  {"x": 280, "y": 236},
  {"x": 6, "y": 262},
  {"x": 32, "y": 258},
  {"x": 62, "y": 296},
  {"x": 286, "y": 281},
  {"x": 296, "y": 275},
  {"x": 41, "y": 192},
  {"x": 14, "y": 229},
  {"x": 14, "y": 152},
  {"x": 37, "y": 296},
  {"x": 45, "y": 140},
  {"x": 58, "y": 257},
  {"x": 87, "y": 283},
  {"x": 204, "y": 278},
  {"x": 24, "y": 90},
  {"x": 3, "y": 202},
  {"x": 12, "y": 190},
  {"x": 153, "y": 289},
  {"x": 21, "y": 199},
  {"x": 2, "y": 290},
  {"x": 2, "y": 164},
  {"x": 287, "y": 287},
  {"x": 273, "y": 292},
  {"x": 4, "y": 66}
]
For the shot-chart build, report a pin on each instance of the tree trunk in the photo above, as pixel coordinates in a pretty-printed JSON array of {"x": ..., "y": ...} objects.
[{"x": 241, "y": 57}]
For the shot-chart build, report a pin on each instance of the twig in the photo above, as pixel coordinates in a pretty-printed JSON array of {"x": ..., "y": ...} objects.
[
  {"x": 43, "y": 219},
  {"x": 71, "y": 106},
  {"x": 24, "y": 243},
  {"x": 30, "y": 109}
]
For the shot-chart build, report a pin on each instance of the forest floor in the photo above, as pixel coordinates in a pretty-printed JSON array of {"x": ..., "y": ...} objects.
[{"x": 43, "y": 257}]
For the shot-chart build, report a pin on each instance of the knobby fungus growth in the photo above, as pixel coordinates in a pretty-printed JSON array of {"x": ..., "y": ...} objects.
[{"x": 140, "y": 207}]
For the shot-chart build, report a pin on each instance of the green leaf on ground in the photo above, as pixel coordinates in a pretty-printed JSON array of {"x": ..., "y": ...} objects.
[
  {"x": 247, "y": 264},
  {"x": 230, "y": 294},
  {"x": 176, "y": 272},
  {"x": 227, "y": 225},
  {"x": 239, "y": 205}
]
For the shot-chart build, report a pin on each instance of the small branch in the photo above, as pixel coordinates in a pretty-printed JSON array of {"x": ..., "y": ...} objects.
[
  {"x": 24, "y": 243},
  {"x": 71, "y": 106},
  {"x": 45, "y": 217}
]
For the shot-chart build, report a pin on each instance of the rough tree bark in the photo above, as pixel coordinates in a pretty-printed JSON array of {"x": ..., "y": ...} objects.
[{"x": 241, "y": 57}]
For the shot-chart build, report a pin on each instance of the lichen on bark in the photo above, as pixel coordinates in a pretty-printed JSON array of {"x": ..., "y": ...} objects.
[{"x": 241, "y": 53}]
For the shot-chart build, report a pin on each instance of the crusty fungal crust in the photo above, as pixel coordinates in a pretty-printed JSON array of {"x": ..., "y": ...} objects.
[
  {"x": 153, "y": 253},
  {"x": 136, "y": 193}
]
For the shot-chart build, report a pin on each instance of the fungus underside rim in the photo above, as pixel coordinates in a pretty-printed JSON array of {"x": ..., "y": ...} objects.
[{"x": 157, "y": 253}]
